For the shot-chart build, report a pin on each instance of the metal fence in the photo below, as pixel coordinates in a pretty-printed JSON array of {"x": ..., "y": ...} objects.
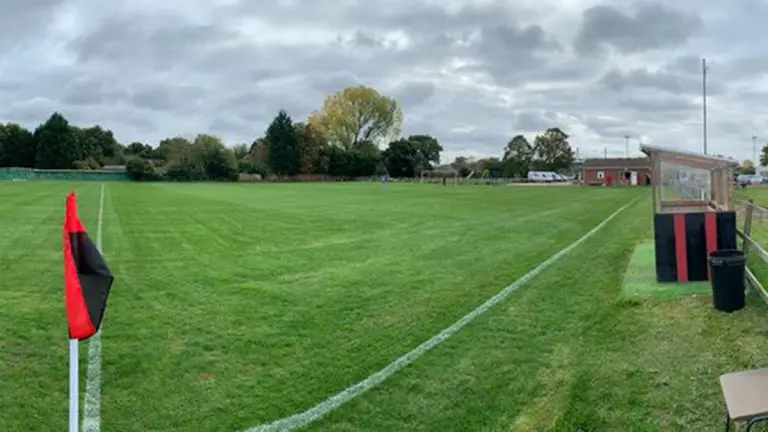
[{"x": 18, "y": 174}]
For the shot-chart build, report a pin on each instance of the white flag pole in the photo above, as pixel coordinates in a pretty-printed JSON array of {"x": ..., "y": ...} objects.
[{"x": 74, "y": 388}]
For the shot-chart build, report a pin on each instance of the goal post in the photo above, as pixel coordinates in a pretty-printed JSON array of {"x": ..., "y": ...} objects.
[{"x": 440, "y": 176}]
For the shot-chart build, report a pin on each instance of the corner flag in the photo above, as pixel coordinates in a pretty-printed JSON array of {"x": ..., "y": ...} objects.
[
  {"x": 87, "y": 278},
  {"x": 87, "y": 281}
]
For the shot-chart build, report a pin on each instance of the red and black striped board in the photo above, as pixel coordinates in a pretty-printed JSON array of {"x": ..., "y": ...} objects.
[{"x": 684, "y": 241}]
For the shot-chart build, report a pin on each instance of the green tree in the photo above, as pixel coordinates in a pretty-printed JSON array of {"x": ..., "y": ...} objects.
[
  {"x": 240, "y": 150},
  {"x": 283, "y": 144},
  {"x": 362, "y": 161},
  {"x": 139, "y": 150},
  {"x": 403, "y": 158},
  {"x": 259, "y": 151},
  {"x": 764, "y": 156},
  {"x": 337, "y": 161},
  {"x": 552, "y": 151},
  {"x": 96, "y": 144},
  {"x": 141, "y": 169},
  {"x": 746, "y": 167},
  {"x": 462, "y": 165},
  {"x": 493, "y": 165},
  {"x": 186, "y": 165},
  {"x": 429, "y": 148},
  {"x": 3, "y": 156},
  {"x": 57, "y": 146},
  {"x": 217, "y": 160},
  {"x": 311, "y": 144},
  {"x": 518, "y": 156},
  {"x": 169, "y": 148},
  {"x": 356, "y": 114},
  {"x": 18, "y": 146}
]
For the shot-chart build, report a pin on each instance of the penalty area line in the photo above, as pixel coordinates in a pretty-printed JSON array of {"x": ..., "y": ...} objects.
[
  {"x": 302, "y": 419},
  {"x": 92, "y": 403}
]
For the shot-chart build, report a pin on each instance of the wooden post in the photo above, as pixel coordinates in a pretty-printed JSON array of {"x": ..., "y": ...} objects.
[
  {"x": 728, "y": 186},
  {"x": 655, "y": 181},
  {"x": 748, "y": 213}
]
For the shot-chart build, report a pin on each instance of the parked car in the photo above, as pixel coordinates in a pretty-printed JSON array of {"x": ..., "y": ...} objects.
[{"x": 749, "y": 179}]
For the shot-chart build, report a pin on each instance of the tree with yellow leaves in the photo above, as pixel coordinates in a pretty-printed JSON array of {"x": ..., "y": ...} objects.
[{"x": 358, "y": 114}]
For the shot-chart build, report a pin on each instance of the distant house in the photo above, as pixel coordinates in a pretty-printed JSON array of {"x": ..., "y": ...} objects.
[
  {"x": 629, "y": 171},
  {"x": 114, "y": 168}
]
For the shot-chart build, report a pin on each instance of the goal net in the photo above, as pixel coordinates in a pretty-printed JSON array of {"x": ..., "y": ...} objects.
[{"x": 440, "y": 176}]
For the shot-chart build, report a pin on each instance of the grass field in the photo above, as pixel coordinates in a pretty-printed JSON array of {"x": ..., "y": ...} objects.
[{"x": 239, "y": 304}]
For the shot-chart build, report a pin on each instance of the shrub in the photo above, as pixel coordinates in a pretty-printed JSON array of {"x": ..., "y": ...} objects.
[{"x": 141, "y": 169}]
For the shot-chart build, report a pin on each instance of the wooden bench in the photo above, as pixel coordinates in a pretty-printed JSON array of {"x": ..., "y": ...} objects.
[{"x": 746, "y": 397}]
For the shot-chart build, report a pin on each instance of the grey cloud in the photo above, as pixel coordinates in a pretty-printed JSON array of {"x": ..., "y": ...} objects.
[
  {"x": 159, "y": 40},
  {"x": 658, "y": 106},
  {"x": 20, "y": 20},
  {"x": 688, "y": 64},
  {"x": 411, "y": 16},
  {"x": 534, "y": 121},
  {"x": 412, "y": 94},
  {"x": 247, "y": 106},
  {"x": 32, "y": 110},
  {"x": 91, "y": 91},
  {"x": 509, "y": 53},
  {"x": 334, "y": 81},
  {"x": 149, "y": 71},
  {"x": 363, "y": 39},
  {"x": 507, "y": 39},
  {"x": 661, "y": 80},
  {"x": 740, "y": 67},
  {"x": 181, "y": 98},
  {"x": 652, "y": 26},
  {"x": 230, "y": 127},
  {"x": 608, "y": 126}
]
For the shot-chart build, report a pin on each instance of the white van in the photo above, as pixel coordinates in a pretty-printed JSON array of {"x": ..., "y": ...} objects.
[{"x": 542, "y": 176}]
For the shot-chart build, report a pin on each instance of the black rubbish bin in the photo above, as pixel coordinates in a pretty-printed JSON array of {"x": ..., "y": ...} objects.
[{"x": 727, "y": 267}]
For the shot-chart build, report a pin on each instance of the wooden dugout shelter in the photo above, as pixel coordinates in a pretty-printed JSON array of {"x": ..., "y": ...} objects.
[{"x": 693, "y": 211}]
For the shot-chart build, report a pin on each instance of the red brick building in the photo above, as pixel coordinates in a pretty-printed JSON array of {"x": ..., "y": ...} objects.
[{"x": 621, "y": 171}]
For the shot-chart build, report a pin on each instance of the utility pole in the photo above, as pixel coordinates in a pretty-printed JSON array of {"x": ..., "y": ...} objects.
[
  {"x": 754, "y": 151},
  {"x": 605, "y": 152},
  {"x": 704, "y": 99}
]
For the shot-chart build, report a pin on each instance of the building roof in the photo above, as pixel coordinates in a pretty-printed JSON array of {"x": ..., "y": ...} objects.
[
  {"x": 617, "y": 163},
  {"x": 687, "y": 157}
]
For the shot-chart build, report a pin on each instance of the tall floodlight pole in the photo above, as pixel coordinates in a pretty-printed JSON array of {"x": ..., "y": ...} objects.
[
  {"x": 626, "y": 146},
  {"x": 704, "y": 99}
]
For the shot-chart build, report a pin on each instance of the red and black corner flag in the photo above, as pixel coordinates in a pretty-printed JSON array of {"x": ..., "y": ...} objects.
[{"x": 87, "y": 279}]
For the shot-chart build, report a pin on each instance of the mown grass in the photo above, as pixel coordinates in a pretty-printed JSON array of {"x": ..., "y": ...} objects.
[{"x": 237, "y": 305}]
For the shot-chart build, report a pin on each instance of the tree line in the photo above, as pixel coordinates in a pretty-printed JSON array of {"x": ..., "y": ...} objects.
[
  {"x": 342, "y": 139},
  {"x": 550, "y": 151}
]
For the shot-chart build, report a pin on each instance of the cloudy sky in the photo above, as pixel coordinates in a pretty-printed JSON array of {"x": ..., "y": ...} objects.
[{"x": 470, "y": 72}]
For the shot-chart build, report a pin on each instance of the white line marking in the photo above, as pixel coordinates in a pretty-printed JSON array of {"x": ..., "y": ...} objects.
[
  {"x": 92, "y": 405},
  {"x": 299, "y": 420}
]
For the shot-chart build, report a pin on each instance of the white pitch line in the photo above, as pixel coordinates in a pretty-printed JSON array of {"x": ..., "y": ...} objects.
[
  {"x": 300, "y": 420},
  {"x": 92, "y": 405}
]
